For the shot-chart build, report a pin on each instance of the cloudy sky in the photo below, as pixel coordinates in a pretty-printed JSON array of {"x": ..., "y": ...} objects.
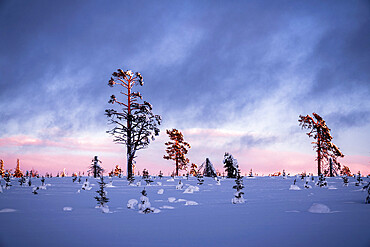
[{"x": 233, "y": 76}]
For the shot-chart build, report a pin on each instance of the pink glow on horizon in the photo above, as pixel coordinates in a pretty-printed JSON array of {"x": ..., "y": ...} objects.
[{"x": 75, "y": 154}]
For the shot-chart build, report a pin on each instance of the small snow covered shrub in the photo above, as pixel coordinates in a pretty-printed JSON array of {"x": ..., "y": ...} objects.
[
  {"x": 22, "y": 181},
  {"x": 180, "y": 185},
  {"x": 42, "y": 181},
  {"x": 307, "y": 186},
  {"x": 34, "y": 190},
  {"x": 200, "y": 179},
  {"x": 7, "y": 182},
  {"x": 367, "y": 187},
  {"x": 102, "y": 195},
  {"x": 359, "y": 179},
  {"x": 321, "y": 182},
  {"x": 86, "y": 185},
  {"x": 239, "y": 193},
  {"x": 145, "y": 206},
  {"x": 132, "y": 203},
  {"x": 345, "y": 181}
]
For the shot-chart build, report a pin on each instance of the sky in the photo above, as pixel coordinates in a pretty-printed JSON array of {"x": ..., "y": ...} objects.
[{"x": 232, "y": 76}]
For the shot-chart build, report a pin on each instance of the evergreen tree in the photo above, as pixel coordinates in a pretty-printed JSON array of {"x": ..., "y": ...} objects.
[
  {"x": 7, "y": 181},
  {"x": 324, "y": 147},
  {"x": 250, "y": 173},
  {"x": 145, "y": 206},
  {"x": 200, "y": 179},
  {"x": 359, "y": 179},
  {"x": 95, "y": 168},
  {"x": 321, "y": 182},
  {"x": 22, "y": 181},
  {"x": 231, "y": 165},
  {"x": 176, "y": 150},
  {"x": 18, "y": 173},
  {"x": 2, "y": 171},
  {"x": 102, "y": 195},
  {"x": 135, "y": 125},
  {"x": 207, "y": 169},
  {"x": 42, "y": 181},
  {"x": 160, "y": 175},
  {"x": 193, "y": 169},
  {"x": 367, "y": 188},
  {"x": 345, "y": 180},
  {"x": 238, "y": 196}
]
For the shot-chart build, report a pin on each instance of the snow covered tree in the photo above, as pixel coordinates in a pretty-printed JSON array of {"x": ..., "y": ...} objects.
[
  {"x": 135, "y": 124},
  {"x": 145, "y": 206},
  {"x": 231, "y": 165},
  {"x": 250, "y": 173},
  {"x": 359, "y": 179},
  {"x": 2, "y": 171},
  {"x": 21, "y": 181},
  {"x": 345, "y": 181},
  {"x": 346, "y": 171},
  {"x": 176, "y": 150},
  {"x": 238, "y": 196},
  {"x": 207, "y": 169},
  {"x": 200, "y": 179},
  {"x": 18, "y": 173},
  {"x": 117, "y": 171},
  {"x": 102, "y": 195},
  {"x": 193, "y": 169},
  {"x": 7, "y": 181},
  {"x": 321, "y": 182},
  {"x": 95, "y": 168},
  {"x": 323, "y": 143},
  {"x": 367, "y": 188},
  {"x": 42, "y": 181}
]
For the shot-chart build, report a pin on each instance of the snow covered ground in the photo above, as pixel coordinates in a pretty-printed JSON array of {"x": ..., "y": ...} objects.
[{"x": 65, "y": 215}]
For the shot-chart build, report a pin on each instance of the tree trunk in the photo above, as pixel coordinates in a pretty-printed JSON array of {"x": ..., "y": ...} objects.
[
  {"x": 331, "y": 168},
  {"x": 177, "y": 167}
]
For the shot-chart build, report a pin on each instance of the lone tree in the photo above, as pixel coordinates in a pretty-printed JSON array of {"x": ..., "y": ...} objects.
[
  {"x": 2, "y": 171},
  {"x": 18, "y": 173},
  {"x": 324, "y": 147},
  {"x": 135, "y": 124},
  {"x": 176, "y": 150},
  {"x": 231, "y": 165}
]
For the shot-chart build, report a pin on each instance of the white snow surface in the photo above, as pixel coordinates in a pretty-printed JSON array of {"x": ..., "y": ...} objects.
[
  {"x": 271, "y": 216},
  {"x": 319, "y": 208},
  {"x": 294, "y": 187},
  {"x": 67, "y": 209},
  {"x": 160, "y": 191}
]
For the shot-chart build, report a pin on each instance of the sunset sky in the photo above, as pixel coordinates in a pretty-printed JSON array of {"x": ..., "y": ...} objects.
[{"x": 233, "y": 76}]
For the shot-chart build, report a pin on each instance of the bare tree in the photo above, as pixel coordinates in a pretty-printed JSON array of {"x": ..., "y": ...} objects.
[
  {"x": 324, "y": 147},
  {"x": 176, "y": 150},
  {"x": 135, "y": 124}
]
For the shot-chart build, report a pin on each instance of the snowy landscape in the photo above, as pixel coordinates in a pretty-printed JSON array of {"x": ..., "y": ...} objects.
[{"x": 275, "y": 213}]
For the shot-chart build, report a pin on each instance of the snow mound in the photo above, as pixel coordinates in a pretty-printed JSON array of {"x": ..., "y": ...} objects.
[
  {"x": 171, "y": 199},
  {"x": 191, "y": 189},
  {"x": 105, "y": 209},
  {"x": 68, "y": 209},
  {"x": 294, "y": 187},
  {"x": 237, "y": 200},
  {"x": 319, "y": 209},
  {"x": 110, "y": 185},
  {"x": 170, "y": 180},
  {"x": 42, "y": 187},
  {"x": 138, "y": 184},
  {"x": 132, "y": 203},
  {"x": 78, "y": 191},
  {"x": 160, "y": 192},
  {"x": 331, "y": 187},
  {"x": 166, "y": 207},
  {"x": 191, "y": 203},
  {"x": 159, "y": 183},
  {"x": 181, "y": 200},
  {"x": 7, "y": 210}
]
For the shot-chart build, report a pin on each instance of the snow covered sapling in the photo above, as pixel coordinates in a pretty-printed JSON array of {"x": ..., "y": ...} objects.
[
  {"x": 7, "y": 182},
  {"x": 176, "y": 150},
  {"x": 359, "y": 179},
  {"x": 321, "y": 182},
  {"x": 200, "y": 179},
  {"x": 160, "y": 175},
  {"x": 42, "y": 181},
  {"x": 250, "y": 173},
  {"x": 34, "y": 190},
  {"x": 86, "y": 185},
  {"x": 79, "y": 179},
  {"x": 131, "y": 180},
  {"x": 74, "y": 179},
  {"x": 144, "y": 206},
  {"x": 307, "y": 186},
  {"x": 29, "y": 181},
  {"x": 367, "y": 187},
  {"x": 102, "y": 195},
  {"x": 22, "y": 181},
  {"x": 238, "y": 186},
  {"x": 180, "y": 185},
  {"x": 284, "y": 174},
  {"x": 295, "y": 180},
  {"x": 345, "y": 181},
  {"x": 136, "y": 125},
  {"x": 231, "y": 165}
]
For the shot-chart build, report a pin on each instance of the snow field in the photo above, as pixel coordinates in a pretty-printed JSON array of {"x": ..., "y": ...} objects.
[{"x": 272, "y": 214}]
